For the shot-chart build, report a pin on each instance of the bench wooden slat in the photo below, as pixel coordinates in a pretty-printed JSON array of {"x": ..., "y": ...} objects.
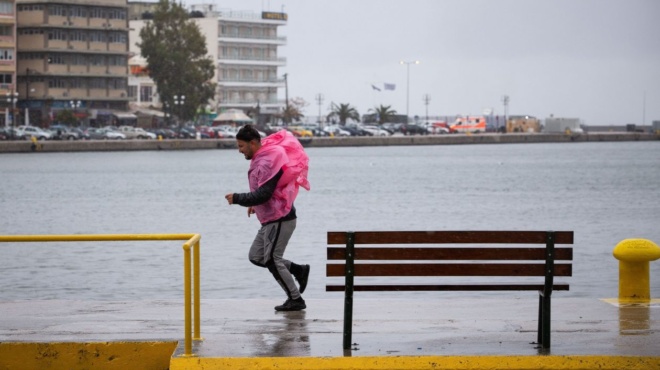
[
  {"x": 339, "y": 253},
  {"x": 449, "y": 269},
  {"x": 450, "y": 237},
  {"x": 447, "y": 287}
]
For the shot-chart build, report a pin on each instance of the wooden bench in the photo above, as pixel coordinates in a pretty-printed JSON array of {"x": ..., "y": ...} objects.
[{"x": 518, "y": 263}]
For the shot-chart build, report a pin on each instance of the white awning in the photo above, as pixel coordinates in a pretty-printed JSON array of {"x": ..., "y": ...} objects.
[{"x": 124, "y": 115}]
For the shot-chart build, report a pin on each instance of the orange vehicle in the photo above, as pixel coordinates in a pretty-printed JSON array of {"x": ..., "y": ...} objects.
[{"x": 472, "y": 124}]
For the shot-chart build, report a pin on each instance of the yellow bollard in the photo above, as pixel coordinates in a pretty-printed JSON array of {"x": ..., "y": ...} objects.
[{"x": 634, "y": 256}]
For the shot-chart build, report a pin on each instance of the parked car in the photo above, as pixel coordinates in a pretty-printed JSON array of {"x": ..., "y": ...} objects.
[
  {"x": 186, "y": 132},
  {"x": 206, "y": 132},
  {"x": 225, "y": 132},
  {"x": 81, "y": 133},
  {"x": 302, "y": 132},
  {"x": 105, "y": 134},
  {"x": 336, "y": 131},
  {"x": 376, "y": 131},
  {"x": 136, "y": 132},
  {"x": 164, "y": 133},
  {"x": 61, "y": 132},
  {"x": 32, "y": 131},
  {"x": 412, "y": 129}
]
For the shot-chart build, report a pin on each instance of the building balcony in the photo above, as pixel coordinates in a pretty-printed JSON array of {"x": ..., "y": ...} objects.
[
  {"x": 252, "y": 39},
  {"x": 251, "y": 82},
  {"x": 252, "y": 60}
]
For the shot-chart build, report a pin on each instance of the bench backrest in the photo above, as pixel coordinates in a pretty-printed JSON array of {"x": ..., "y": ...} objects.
[{"x": 520, "y": 261}]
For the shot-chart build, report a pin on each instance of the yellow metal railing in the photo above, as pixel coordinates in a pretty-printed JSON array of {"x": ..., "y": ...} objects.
[{"x": 192, "y": 243}]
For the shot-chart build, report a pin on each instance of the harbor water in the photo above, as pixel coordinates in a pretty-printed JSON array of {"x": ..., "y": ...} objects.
[{"x": 604, "y": 192}]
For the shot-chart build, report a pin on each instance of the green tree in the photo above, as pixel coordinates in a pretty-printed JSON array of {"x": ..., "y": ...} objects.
[
  {"x": 383, "y": 113},
  {"x": 293, "y": 112},
  {"x": 66, "y": 117},
  {"x": 177, "y": 60},
  {"x": 343, "y": 112}
]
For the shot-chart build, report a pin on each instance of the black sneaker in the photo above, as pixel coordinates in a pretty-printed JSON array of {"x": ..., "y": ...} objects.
[
  {"x": 292, "y": 305},
  {"x": 302, "y": 278}
]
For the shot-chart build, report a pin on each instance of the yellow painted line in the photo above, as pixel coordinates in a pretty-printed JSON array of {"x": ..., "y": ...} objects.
[
  {"x": 422, "y": 362},
  {"x": 97, "y": 355}
]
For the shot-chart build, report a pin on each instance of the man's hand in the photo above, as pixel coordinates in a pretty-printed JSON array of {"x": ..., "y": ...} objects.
[
  {"x": 230, "y": 198},
  {"x": 250, "y": 211}
]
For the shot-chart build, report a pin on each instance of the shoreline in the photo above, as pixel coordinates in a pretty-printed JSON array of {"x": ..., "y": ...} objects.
[{"x": 321, "y": 142}]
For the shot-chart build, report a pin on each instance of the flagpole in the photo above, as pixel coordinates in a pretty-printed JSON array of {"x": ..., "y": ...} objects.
[{"x": 408, "y": 85}]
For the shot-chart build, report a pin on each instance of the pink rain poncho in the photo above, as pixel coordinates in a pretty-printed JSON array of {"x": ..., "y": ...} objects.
[{"x": 280, "y": 150}]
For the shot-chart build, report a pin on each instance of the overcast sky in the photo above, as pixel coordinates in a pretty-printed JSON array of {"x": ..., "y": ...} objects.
[{"x": 598, "y": 60}]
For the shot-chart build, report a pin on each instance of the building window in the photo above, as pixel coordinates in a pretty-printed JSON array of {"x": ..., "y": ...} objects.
[
  {"x": 6, "y": 54},
  {"x": 6, "y": 78},
  {"x": 78, "y": 36},
  {"x": 146, "y": 92},
  {"x": 57, "y": 35},
  {"x": 132, "y": 91},
  {"x": 97, "y": 37},
  {"x": 6, "y": 30},
  {"x": 57, "y": 83},
  {"x": 6, "y": 7},
  {"x": 78, "y": 59},
  {"x": 79, "y": 12},
  {"x": 29, "y": 7},
  {"x": 57, "y": 59},
  {"x": 78, "y": 83},
  {"x": 57, "y": 10},
  {"x": 97, "y": 83},
  {"x": 97, "y": 13}
]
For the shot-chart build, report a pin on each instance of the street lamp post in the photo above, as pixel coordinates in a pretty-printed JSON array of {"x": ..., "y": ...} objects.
[
  {"x": 75, "y": 105},
  {"x": 12, "y": 96},
  {"x": 408, "y": 63},
  {"x": 180, "y": 100}
]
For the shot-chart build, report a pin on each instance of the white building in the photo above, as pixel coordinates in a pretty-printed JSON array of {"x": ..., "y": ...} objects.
[{"x": 244, "y": 45}]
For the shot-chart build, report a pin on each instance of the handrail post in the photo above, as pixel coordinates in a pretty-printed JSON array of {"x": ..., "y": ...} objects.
[
  {"x": 187, "y": 300},
  {"x": 197, "y": 272}
]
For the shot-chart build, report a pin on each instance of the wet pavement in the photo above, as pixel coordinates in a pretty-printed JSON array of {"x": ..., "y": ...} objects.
[{"x": 382, "y": 327}]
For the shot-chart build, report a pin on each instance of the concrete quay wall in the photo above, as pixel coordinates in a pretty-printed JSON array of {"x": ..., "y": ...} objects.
[{"x": 454, "y": 139}]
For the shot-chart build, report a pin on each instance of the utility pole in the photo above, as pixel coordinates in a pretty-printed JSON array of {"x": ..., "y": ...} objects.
[
  {"x": 319, "y": 100},
  {"x": 505, "y": 101},
  {"x": 427, "y": 99}
]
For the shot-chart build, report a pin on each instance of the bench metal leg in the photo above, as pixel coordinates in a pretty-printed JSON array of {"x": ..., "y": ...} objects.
[
  {"x": 348, "y": 290},
  {"x": 539, "y": 332},
  {"x": 543, "y": 337}
]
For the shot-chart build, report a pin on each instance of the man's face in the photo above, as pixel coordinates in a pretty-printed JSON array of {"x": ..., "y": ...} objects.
[{"x": 246, "y": 148}]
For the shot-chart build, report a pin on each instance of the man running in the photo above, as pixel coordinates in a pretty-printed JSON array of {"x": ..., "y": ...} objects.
[{"x": 274, "y": 179}]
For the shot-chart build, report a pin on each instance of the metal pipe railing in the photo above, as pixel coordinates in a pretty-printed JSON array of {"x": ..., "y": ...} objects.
[{"x": 192, "y": 243}]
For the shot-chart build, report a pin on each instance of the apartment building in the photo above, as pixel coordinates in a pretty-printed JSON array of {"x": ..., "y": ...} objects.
[
  {"x": 244, "y": 45},
  {"x": 7, "y": 60},
  {"x": 73, "y": 54}
]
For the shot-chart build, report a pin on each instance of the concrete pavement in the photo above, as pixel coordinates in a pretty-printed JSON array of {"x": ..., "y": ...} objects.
[{"x": 383, "y": 327}]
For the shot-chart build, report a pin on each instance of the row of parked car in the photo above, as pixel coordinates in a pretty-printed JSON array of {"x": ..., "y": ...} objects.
[{"x": 62, "y": 132}]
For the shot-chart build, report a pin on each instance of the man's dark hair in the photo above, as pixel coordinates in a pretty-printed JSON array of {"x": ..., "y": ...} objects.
[{"x": 248, "y": 133}]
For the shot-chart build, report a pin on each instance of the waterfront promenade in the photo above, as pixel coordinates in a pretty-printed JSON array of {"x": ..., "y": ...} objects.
[
  {"x": 318, "y": 142},
  {"x": 441, "y": 332}
]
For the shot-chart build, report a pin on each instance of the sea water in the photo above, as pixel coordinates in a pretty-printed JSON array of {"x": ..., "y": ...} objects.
[{"x": 604, "y": 192}]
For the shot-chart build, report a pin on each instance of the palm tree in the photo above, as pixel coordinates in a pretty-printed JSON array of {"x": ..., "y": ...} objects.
[
  {"x": 344, "y": 112},
  {"x": 383, "y": 113}
]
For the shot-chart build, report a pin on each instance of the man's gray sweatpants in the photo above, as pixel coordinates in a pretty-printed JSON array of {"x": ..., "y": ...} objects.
[{"x": 268, "y": 250}]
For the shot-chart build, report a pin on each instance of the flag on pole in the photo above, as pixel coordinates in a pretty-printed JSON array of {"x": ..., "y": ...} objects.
[
  {"x": 375, "y": 87},
  {"x": 389, "y": 86}
]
